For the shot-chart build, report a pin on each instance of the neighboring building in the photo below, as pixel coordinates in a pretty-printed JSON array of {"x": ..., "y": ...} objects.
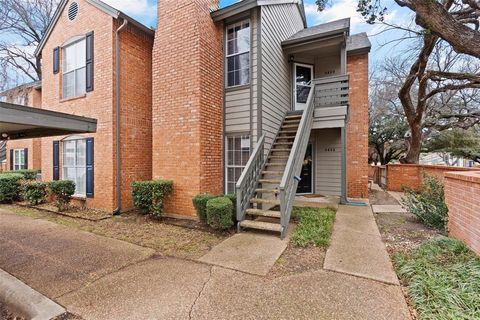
[
  {"x": 26, "y": 153},
  {"x": 445, "y": 159},
  {"x": 197, "y": 96}
]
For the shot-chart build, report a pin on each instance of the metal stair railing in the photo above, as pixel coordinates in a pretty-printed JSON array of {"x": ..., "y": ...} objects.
[
  {"x": 289, "y": 182},
  {"x": 247, "y": 183}
]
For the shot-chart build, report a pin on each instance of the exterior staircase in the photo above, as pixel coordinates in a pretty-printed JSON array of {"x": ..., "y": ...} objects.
[{"x": 264, "y": 208}]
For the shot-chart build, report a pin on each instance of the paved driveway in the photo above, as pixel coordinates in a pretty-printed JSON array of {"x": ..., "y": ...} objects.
[{"x": 101, "y": 278}]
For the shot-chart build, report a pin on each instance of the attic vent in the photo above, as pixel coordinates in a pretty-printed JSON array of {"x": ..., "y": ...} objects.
[{"x": 72, "y": 11}]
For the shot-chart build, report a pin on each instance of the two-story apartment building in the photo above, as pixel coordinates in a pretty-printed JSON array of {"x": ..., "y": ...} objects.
[
  {"x": 243, "y": 99},
  {"x": 24, "y": 153}
]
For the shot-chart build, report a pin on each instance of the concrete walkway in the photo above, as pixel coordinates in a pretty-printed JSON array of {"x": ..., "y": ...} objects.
[
  {"x": 357, "y": 246},
  {"x": 101, "y": 278},
  {"x": 250, "y": 252}
]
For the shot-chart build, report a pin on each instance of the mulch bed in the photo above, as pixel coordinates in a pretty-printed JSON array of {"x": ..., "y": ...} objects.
[
  {"x": 5, "y": 314},
  {"x": 295, "y": 260},
  {"x": 72, "y": 211}
]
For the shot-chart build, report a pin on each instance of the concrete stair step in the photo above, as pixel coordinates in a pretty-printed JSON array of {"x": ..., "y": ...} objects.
[
  {"x": 293, "y": 116},
  {"x": 272, "y": 191},
  {"x": 289, "y": 126},
  {"x": 269, "y": 181},
  {"x": 294, "y": 121},
  {"x": 265, "y": 201},
  {"x": 287, "y": 131},
  {"x": 272, "y": 173},
  {"x": 278, "y": 157},
  {"x": 260, "y": 225},
  {"x": 280, "y": 150},
  {"x": 283, "y": 143},
  {"x": 264, "y": 213},
  {"x": 276, "y": 164},
  {"x": 286, "y": 137}
]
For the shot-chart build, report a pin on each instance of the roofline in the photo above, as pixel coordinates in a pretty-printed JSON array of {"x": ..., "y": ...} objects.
[
  {"x": 114, "y": 13},
  {"x": 37, "y": 84},
  {"x": 320, "y": 36},
  {"x": 359, "y": 51},
  {"x": 239, "y": 7}
]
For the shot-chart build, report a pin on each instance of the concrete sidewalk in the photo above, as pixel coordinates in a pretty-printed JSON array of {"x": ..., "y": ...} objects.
[
  {"x": 357, "y": 246},
  {"x": 101, "y": 278}
]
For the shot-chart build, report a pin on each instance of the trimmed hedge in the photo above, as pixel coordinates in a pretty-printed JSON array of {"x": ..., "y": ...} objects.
[
  {"x": 62, "y": 190},
  {"x": 10, "y": 186},
  {"x": 35, "y": 193},
  {"x": 219, "y": 213},
  {"x": 26, "y": 174},
  {"x": 149, "y": 196},
  {"x": 200, "y": 205}
]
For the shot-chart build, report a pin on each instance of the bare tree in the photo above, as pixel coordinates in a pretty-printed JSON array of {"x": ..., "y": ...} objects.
[
  {"x": 455, "y": 21},
  {"x": 23, "y": 23},
  {"x": 437, "y": 91}
]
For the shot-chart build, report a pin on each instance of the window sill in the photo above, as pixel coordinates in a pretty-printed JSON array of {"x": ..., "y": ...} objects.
[
  {"x": 235, "y": 88},
  {"x": 73, "y": 98},
  {"x": 79, "y": 197}
]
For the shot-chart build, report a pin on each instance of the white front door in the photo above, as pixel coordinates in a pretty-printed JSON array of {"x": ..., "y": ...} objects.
[{"x": 303, "y": 74}]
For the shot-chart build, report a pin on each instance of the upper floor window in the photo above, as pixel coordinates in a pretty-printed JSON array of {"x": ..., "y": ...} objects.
[
  {"x": 238, "y": 54},
  {"x": 74, "y": 66}
]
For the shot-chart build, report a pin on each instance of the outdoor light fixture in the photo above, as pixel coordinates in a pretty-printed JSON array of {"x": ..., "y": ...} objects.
[
  {"x": 291, "y": 58},
  {"x": 4, "y": 135}
]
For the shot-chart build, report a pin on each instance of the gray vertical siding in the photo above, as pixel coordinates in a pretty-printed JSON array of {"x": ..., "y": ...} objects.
[
  {"x": 237, "y": 110},
  {"x": 328, "y": 155},
  {"x": 278, "y": 22}
]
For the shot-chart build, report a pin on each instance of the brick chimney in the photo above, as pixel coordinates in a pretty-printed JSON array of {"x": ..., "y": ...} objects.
[{"x": 187, "y": 110}]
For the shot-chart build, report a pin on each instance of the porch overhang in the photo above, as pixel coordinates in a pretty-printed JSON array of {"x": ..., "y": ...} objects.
[{"x": 21, "y": 122}]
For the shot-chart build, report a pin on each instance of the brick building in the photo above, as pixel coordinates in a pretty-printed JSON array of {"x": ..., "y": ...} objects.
[
  {"x": 198, "y": 99},
  {"x": 24, "y": 153}
]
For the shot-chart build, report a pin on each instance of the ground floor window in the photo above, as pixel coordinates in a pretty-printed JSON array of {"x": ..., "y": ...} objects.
[
  {"x": 19, "y": 159},
  {"x": 237, "y": 154},
  {"x": 74, "y": 164}
]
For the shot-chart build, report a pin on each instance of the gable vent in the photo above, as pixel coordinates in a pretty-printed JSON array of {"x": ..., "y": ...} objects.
[{"x": 73, "y": 11}]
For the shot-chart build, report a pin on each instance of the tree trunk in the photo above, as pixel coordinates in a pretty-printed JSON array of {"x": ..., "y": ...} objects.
[{"x": 413, "y": 154}]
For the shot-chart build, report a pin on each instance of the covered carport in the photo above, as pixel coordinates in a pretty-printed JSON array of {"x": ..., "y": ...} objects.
[{"x": 21, "y": 122}]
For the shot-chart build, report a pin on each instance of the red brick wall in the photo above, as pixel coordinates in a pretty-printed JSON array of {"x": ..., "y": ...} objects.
[
  {"x": 100, "y": 103},
  {"x": 411, "y": 175},
  {"x": 136, "y": 110},
  {"x": 187, "y": 101},
  {"x": 357, "y": 127},
  {"x": 462, "y": 195}
]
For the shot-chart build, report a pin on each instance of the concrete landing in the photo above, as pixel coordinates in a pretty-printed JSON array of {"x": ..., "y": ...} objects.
[
  {"x": 388, "y": 208},
  {"x": 357, "y": 248},
  {"x": 249, "y": 252}
]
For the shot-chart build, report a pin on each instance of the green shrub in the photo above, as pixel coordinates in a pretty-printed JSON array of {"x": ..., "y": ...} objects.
[
  {"x": 28, "y": 174},
  {"x": 35, "y": 193},
  {"x": 62, "y": 190},
  {"x": 233, "y": 198},
  {"x": 10, "y": 186},
  {"x": 219, "y": 213},
  {"x": 429, "y": 204},
  {"x": 200, "y": 205},
  {"x": 149, "y": 196}
]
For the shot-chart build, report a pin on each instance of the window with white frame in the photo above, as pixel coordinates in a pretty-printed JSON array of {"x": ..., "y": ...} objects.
[
  {"x": 73, "y": 75},
  {"x": 74, "y": 164},
  {"x": 19, "y": 159},
  {"x": 238, "y": 54},
  {"x": 238, "y": 153}
]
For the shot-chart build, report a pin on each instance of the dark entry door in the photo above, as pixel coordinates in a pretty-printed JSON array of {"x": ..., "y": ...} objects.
[{"x": 306, "y": 185}]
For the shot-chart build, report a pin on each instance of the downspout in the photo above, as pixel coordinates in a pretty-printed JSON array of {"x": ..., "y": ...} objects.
[{"x": 117, "y": 119}]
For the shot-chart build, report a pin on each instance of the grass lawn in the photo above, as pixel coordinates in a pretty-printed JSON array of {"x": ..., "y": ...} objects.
[
  {"x": 314, "y": 226},
  {"x": 442, "y": 277}
]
